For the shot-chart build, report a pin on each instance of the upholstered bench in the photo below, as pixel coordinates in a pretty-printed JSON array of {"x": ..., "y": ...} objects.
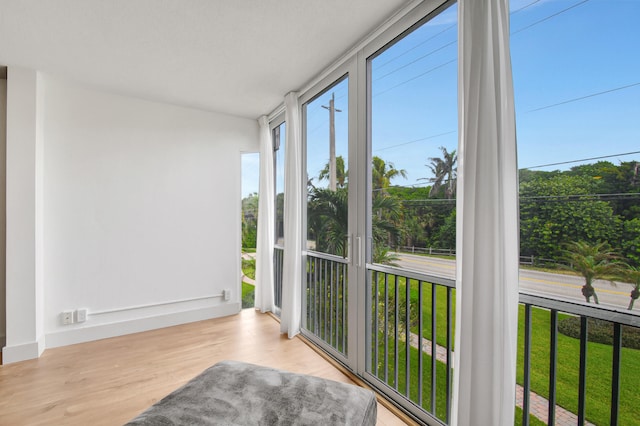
[{"x": 236, "y": 393}]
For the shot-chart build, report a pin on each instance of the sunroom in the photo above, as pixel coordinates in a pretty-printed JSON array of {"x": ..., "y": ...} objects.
[{"x": 402, "y": 230}]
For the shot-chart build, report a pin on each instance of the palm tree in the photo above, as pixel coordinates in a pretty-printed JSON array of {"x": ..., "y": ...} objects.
[
  {"x": 382, "y": 173},
  {"x": 593, "y": 262},
  {"x": 341, "y": 172},
  {"x": 632, "y": 275},
  {"x": 328, "y": 219},
  {"x": 445, "y": 172},
  {"x": 384, "y": 228}
]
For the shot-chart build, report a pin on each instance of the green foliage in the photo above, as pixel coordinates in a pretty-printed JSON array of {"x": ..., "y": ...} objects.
[
  {"x": 590, "y": 203},
  {"x": 444, "y": 173},
  {"x": 249, "y": 268},
  {"x": 250, "y": 220},
  {"x": 593, "y": 262},
  {"x": 341, "y": 172},
  {"x": 552, "y": 212},
  {"x": 446, "y": 235},
  {"x": 599, "y": 331},
  {"x": 327, "y": 219},
  {"x": 630, "y": 244}
]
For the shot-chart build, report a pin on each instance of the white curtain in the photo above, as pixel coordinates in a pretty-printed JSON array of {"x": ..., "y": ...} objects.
[
  {"x": 487, "y": 227},
  {"x": 264, "y": 246},
  {"x": 292, "y": 263}
]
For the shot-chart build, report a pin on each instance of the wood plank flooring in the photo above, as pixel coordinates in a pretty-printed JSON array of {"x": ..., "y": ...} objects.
[{"x": 110, "y": 381}]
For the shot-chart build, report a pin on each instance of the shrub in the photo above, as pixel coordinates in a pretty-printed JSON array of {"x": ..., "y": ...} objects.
[{"x": 600, "y": 331}]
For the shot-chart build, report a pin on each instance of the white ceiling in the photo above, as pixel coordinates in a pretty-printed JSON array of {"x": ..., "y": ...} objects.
[{"x": 234, "y": 56}]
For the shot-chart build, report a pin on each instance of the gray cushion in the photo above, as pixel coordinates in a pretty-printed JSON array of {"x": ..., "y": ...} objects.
[{"x": 235, "y": 393}]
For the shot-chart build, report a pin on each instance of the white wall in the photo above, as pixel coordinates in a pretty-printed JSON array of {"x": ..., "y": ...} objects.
[
  {"x": 141, "y": 207},
  {"x": 3, "y": 148}
]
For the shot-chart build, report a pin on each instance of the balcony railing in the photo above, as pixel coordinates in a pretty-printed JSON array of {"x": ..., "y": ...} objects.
[
  {"x": 583, "y": 378},
  {"x": 410, "y": 346},
  {"x": 278, "y": 261},
  {"x": 411, "y": 339},
  {"x": 326, "y": 299}
]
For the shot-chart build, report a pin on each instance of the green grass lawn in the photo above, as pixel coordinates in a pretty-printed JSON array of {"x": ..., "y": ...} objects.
[
  {"x": 599, "y": 360},
  {"x": 599, "y": 356},
  {"x": 249, "y": 268},
  {"x": 248, "y": 295}
]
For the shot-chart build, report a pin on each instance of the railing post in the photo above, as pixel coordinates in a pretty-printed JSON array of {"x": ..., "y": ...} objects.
[
  {"x": 527, "y": 365},
  {"x": 553, "y": 361},
  {"x": 582, "y": 386},
  {"x": 615, "y": 374}
]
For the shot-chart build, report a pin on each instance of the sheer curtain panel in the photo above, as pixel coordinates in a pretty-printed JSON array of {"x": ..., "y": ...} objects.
[
  {"x": 264, "y": 300},
  {"x": 292, "y": 264},
  {"x": 487, "y": 227}
]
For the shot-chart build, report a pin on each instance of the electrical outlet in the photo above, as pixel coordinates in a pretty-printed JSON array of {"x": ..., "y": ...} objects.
[
  {"x": 67, "y": 317},
  {"x": 226, "y": 294},
  {"x": 81, "y": 315}
]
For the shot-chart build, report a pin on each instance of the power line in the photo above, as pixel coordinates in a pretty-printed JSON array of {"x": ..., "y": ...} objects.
[
  {"x": 578, "y": 161},
  {"x": 549, "y": 17},
  {"x": 416, "y": 77},
  {"x": 442, "y": 32},
  {"x": 585, "y": 97},
  {"x": 416, "y": 60},
  {"x": 415, "y": 140},
  {"x": 525, "y": 6},
  {"x": 448, "y": 44},
  {"x": 418, "y": 45}
]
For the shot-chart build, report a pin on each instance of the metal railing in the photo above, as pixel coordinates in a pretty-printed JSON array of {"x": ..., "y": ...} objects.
[
  {"x": 542, "y": 311},
  {"x": 410, "y": 336},
  {"x": 326, "y": 299},
  {"x": 530, "y": 260},
  {"x": 278, "y": 261},
  {"x": 411, "y": 339}
]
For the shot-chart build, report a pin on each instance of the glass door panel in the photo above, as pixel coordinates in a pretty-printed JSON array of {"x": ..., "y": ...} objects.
[{"x": 326, "y": 131}]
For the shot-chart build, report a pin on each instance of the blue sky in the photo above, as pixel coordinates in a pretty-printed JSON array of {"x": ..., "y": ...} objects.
[{"x": 576, "y": 67}]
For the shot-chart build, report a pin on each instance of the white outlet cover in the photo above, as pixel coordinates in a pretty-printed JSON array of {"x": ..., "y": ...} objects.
[
  {"x": 67, "y": 317},
  {"x": 81, "y": 315}
]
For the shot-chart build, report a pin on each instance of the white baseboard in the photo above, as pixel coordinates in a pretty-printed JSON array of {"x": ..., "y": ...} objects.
[
  {"x": 23, "y": 352},
  {"x": 103, "y": 331}
]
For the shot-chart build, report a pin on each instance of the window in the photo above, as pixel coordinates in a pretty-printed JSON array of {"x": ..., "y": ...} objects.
[
  {"x": 278, "y": 137},
  {"x": 577, "y": 92},
  {"x": 327, "y": 142},
  {"x": 413, "y": 143}
]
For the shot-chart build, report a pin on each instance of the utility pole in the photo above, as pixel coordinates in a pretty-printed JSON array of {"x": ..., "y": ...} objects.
[{"x": 332, "y": 141}]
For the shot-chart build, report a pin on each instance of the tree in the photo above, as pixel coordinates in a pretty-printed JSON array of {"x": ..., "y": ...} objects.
[
  {"x": 632, "y": 275},
  {"x": 630, "y": 244},
  {"x": 341, "y": 172},
  {"x": 382, "y": 173},
  {"x": 556, "y": 208},
  {"x": 249, "y": 220},
  {"x": 384, "y": 227},
  {"x": 328, "y": 219},
  {"x": 593, "y": 262},
  {"x": 445, "y": 173}
]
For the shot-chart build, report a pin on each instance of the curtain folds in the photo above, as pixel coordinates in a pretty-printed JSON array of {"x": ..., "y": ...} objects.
[
  {"x": 264, "y": 300},
  {"x": 487, "y": 227},
  {"x": 291, "y": 312}
]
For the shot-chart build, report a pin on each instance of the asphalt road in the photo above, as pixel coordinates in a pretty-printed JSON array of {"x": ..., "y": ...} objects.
[{"x": 560, "y": 286}]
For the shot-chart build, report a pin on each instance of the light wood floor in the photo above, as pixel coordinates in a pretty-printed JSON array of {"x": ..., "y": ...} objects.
[{"x": 110, "y": 381}]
